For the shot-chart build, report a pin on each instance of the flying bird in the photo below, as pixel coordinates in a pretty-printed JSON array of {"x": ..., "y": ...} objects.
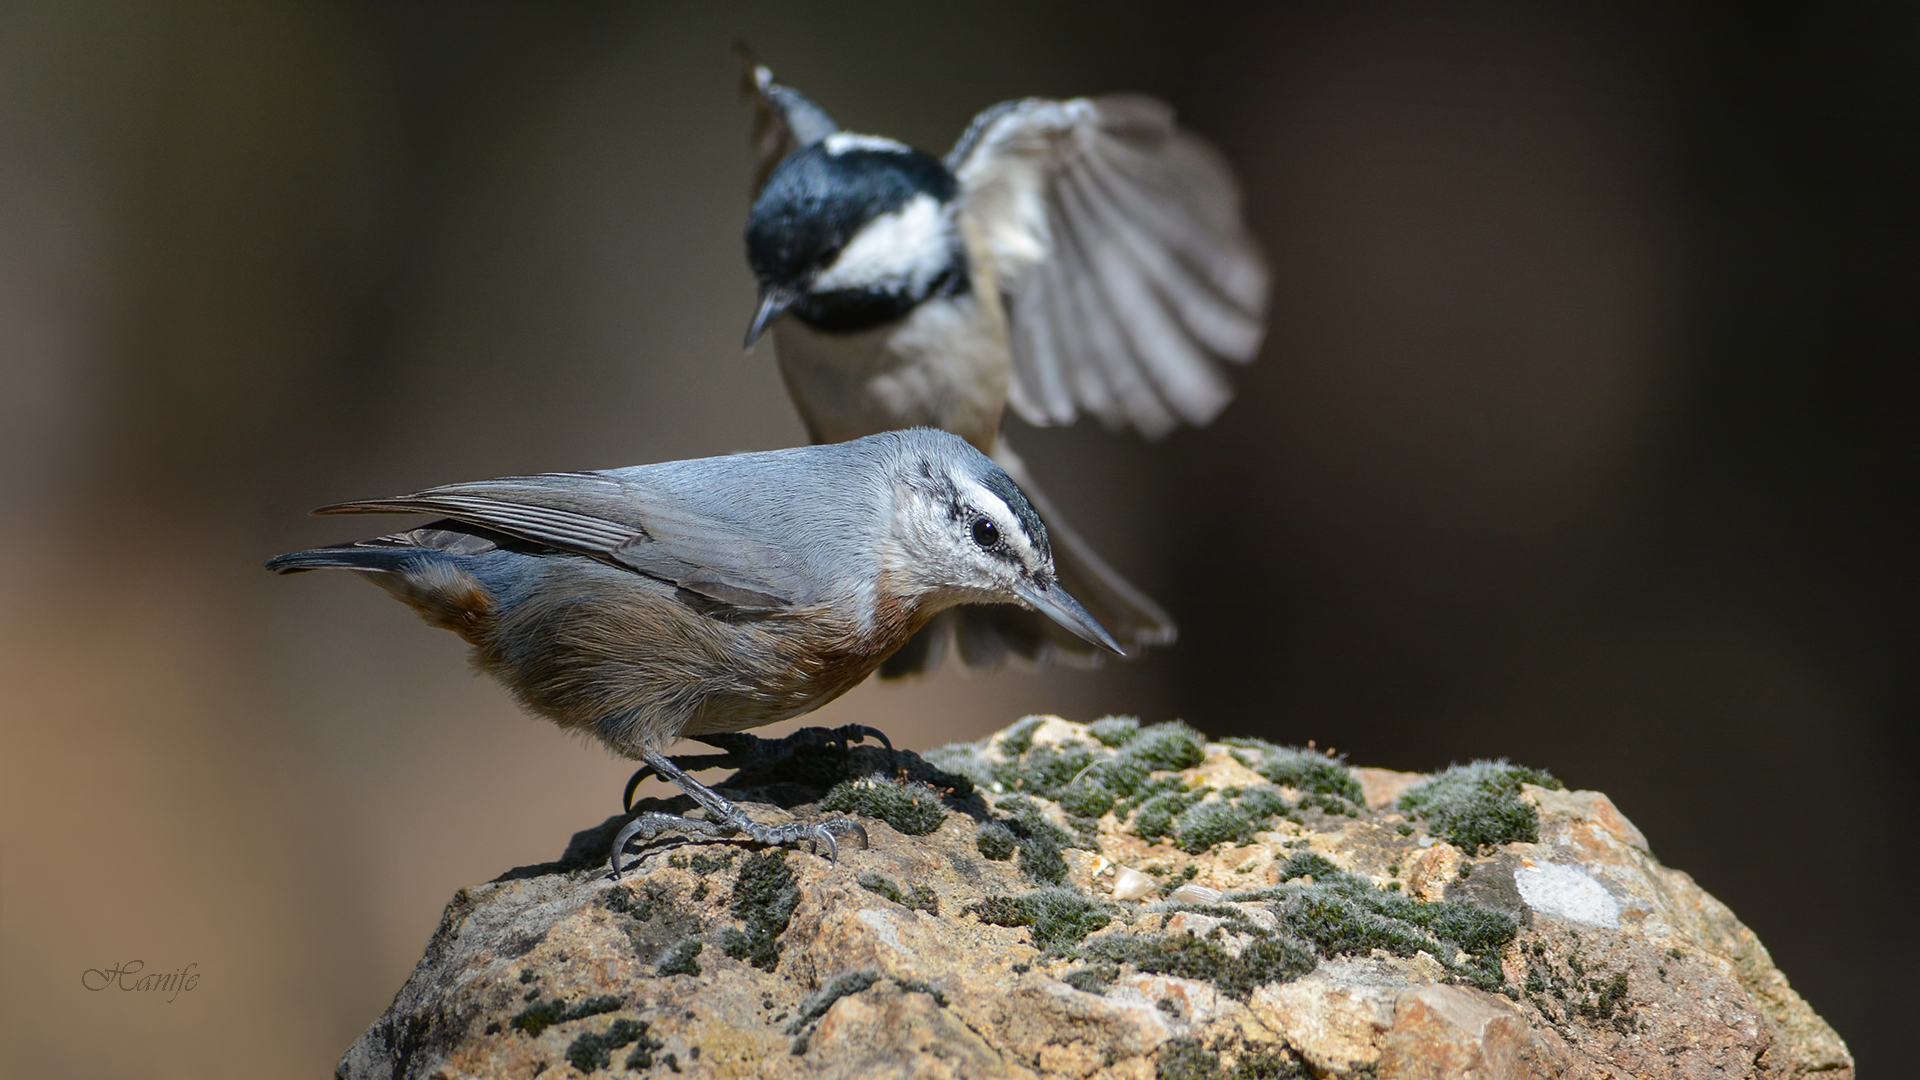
[{"x": 1065, "y": 257}]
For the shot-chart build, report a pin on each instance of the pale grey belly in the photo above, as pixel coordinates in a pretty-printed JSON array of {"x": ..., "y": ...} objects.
[{"x": 946, "y": 365}]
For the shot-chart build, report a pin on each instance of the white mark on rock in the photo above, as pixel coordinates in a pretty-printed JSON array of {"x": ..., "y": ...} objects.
[
  {"x": 881, "y": 923},
  {"x": 1569, "y": 892}
]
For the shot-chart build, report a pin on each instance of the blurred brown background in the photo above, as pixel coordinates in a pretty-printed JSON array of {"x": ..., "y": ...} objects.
[{"x": 1584, "y": 435}]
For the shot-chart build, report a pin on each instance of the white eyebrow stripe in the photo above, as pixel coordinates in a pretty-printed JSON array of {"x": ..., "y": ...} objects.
[{"x": 1012, "y": 533}]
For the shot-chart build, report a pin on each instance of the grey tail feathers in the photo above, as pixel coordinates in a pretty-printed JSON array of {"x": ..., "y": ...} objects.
[
  {"x": 382, "y": 559},
  {"x": 431, "y": 582},
  {"x": 985, "y": 635}
]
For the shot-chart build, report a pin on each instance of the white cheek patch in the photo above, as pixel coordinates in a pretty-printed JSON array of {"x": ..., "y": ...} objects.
[
  {"x": 841, "y": 142},
  {"x": 904, "y": 251}
]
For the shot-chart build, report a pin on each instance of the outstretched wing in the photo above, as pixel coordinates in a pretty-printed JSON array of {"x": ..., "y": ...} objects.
[
  {"x": 619, "y": 521},
  {"x": 1117, "y": 240},
  {"x": 783, "y": 119}
]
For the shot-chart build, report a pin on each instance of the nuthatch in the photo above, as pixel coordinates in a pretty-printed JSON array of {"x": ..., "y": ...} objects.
[
  {"x": 1067, "y": 255},
  {"x": 690, "y": 598}
]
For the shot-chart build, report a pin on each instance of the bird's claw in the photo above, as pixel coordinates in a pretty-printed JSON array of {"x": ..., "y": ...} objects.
[
  {"x": 847, "y": 734},
  {"x": 823, "y": 833},
  {"x": 819, "y": 834},
  {"x": 742, "y": 751}
]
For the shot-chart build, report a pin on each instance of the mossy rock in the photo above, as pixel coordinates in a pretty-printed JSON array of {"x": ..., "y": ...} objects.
[
  {"x": 764, "y": 899},
  {"x": 911, "y": 808},
  {"x": 1478, "y": 806},
  {"x": 1059, "y": 917}
]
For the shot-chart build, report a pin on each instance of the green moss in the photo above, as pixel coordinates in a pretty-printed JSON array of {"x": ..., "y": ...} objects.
[
  {"x": 1263, "y": 804},
  {"x": 643, "y": 906},
  {"x": 1306, "y": 864},
  {"x": 1215, "y": 821},
  {"x": 704, "y": 865},
  {"x": 1086, "y": 797},
  {"x": 1114, "y": 731},
  {"x": 1092, "y": 978},
  {"x": 1172, "y": 885},
  {"x": 682, "y": 959},
  {"x": 538, "y": 1018},
  {"x": 1608, "y": 998},
  {"x": 1323, "y": 781},
  {"x": 1059, "y": 917},
  {"x": 1186, "y": 1058},
  {"x": 1128, "y": 774},
  {"x": 1265, "y": 959},
  {"x": 918, "y": 898},
  {"x": 1020, "y": 736},
  {"x": 764, "y": 898},
  {"x": 1342, "y": 927},
  {"x": 1047, "y": 770},
  {"x": 962, "y": 760},
  {"x": 593, "y": 1052},
  {"x": 1266, "y": 1063},
  {"x": 911, "y": 808},
  {"x": 1232, "y": 818},
  {"x": 995, "y": 841},
  {"x": 1154, "y": 818},
  {"x": 641, "y": 1056},
  {"x": 1040, "y": 841},
  {"x": 817, "y": 1004},
  {"x": 1477, "y": 806},
  {"x": 1342, "y": 915},
  {"x": 1041, "y": 861},
  {"x": 846, "y": 985},
  {"x": 1087, "y": 781},
  {"x": 1066, "y": 774},
  {"x": 1166, "y": 747},
  {"x": 915, "y": 986},
  {"x": 1197, "y": 823}
]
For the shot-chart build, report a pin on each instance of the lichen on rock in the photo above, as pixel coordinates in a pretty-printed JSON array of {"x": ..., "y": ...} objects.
[{"x": 1115, "y": 899}]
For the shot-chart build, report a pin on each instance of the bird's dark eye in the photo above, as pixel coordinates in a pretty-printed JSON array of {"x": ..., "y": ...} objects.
[{"x": 985, "y": 534}]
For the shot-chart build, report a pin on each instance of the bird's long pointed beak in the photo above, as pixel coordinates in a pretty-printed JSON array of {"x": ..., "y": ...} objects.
[
  {"x": 1053, "y": 602},
  {"x": 773, "y": 302}
]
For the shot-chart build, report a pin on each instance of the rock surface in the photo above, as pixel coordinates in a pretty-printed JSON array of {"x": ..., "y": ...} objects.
[{"x": 1279, "y": 914}]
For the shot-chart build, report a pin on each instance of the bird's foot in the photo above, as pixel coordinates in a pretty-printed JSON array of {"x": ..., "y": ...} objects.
[
  {"x": 745, "y": 751},
  {"x": 652, "y": 826},
  {"x": 724, "y": 819}
]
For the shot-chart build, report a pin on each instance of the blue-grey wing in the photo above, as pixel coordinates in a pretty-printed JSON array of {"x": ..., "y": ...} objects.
[
  {"x": 1118, "y": 241},
  {"x": 663, "y": 534}
]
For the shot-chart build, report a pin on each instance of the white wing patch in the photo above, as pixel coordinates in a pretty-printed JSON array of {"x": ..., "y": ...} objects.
[
  {"x": 841, "y": 142},
  {"x": 904, "y": 251}
]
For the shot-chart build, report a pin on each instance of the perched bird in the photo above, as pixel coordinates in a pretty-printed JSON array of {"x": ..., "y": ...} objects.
[
  {"x": 691, "y": 598},
  {"x": 1066, "y": 256}
]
